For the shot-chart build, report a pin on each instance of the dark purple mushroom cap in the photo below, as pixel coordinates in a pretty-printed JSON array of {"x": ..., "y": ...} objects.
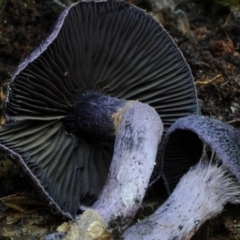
[
  {"x": 111, "y": 48},
  {"x": 184, "y": 144}
]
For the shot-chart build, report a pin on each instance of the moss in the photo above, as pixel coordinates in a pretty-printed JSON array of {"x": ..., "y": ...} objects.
[
  {"x": 24, "y": 5},
  {"x": 228, "y": 3},
  {"x": 2, "y": 6}
]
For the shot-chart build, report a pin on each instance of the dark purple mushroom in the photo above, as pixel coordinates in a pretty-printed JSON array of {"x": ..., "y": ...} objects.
[
  {"x": 61, "y": 100},
  {"x": 204, "y": 153}
]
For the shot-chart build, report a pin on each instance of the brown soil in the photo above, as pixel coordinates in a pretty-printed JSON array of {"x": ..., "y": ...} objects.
[{"x": 211, "y": 46}]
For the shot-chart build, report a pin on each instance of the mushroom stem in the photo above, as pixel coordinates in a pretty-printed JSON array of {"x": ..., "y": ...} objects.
[
  {"x": 94, "y": 114},
  {"x": 200, "y": 195},
  {"x": 139, "y": 130}
]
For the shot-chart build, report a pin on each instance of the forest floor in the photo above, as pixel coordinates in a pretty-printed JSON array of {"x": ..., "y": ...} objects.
[{"x": 210, "y": 42}]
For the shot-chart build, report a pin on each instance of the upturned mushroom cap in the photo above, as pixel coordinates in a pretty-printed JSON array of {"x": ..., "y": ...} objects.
[
  {"x": 112, "y": 48},
  {"x": 184, "y": 144}
]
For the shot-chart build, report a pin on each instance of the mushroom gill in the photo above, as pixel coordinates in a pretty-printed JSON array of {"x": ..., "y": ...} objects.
[
  {"x": 185, "y": 143},
  {"x": 61, "y": 99}
]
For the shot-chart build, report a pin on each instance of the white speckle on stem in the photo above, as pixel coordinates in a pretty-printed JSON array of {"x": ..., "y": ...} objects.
[{"x": 128, "y": 194}]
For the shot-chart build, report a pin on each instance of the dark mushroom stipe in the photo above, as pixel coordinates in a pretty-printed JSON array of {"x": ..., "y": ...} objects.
[
  {"x": 94, "y": 114},
  {"x": 62, "y": 96}
]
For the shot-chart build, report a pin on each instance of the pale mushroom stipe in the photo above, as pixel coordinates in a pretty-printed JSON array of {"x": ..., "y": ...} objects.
[{"x": 204, "y": 154}]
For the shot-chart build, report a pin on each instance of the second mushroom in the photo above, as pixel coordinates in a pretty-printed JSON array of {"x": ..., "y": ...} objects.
[{"x": 200, "y": 164}]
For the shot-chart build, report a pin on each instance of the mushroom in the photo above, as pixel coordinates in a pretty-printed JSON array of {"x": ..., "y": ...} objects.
[
  {"x": 204, "y": 154},
  {"x": 70, "y": 99}
]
